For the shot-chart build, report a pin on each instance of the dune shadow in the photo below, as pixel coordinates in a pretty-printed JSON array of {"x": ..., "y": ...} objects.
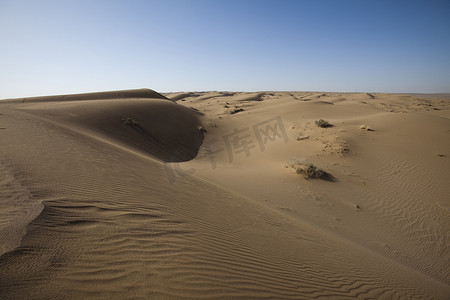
[
  {"x": 163, "y": 148},
  {"x": 328, "y": 177}
]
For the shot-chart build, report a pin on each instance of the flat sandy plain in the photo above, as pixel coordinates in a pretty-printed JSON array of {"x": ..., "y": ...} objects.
[{"x": 139, "y": 195}]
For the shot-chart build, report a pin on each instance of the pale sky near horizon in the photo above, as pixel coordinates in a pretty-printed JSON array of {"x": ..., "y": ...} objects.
[{"x": 60, "y": 47}]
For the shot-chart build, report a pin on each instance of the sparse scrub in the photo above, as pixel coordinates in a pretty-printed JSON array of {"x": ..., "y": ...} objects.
[
  {"x": 323, "y": 123},
  {"x": 129, "y": 121},
  {"x": 365, "y": 127},
  {"x": 307, "y": 169},
  {"x": 310, "y": 171},
  {"x": 236, "y": 110},
  {"x": 301, "y": 137}
]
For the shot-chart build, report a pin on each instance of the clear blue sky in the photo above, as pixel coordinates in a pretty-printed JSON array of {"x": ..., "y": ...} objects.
[{"x": 57, "y": 47}]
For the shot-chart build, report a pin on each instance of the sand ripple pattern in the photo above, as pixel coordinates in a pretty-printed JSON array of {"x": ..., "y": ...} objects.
[
  {"x": 114, "y": 227},
  {"x": 18, "y": 208},
  {"x": 412, "y": 214}
]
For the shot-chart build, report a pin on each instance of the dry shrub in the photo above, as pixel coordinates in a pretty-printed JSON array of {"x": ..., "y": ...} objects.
[
  {"x": 323, "y": 124},
  {"x": 129, "y": 121},
  {"x": 307, "y": 169}
]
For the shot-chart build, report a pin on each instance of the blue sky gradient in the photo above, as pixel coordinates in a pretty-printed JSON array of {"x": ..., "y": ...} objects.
[{"x": 58, "y": 47}]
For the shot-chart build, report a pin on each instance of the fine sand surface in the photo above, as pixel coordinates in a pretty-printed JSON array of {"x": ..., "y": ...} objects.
[{"x": 136, "y": 195}]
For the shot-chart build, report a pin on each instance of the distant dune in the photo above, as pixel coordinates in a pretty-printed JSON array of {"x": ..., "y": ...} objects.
[
  {"x": 122, "y": 94},
  {"x": 198, "y": 195}
]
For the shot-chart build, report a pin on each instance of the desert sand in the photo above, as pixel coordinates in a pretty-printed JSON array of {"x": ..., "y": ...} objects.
[{"x": 196, "y": 195}]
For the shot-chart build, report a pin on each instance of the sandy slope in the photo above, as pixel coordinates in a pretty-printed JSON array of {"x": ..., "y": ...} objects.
[{"x": 95, "y": 207}]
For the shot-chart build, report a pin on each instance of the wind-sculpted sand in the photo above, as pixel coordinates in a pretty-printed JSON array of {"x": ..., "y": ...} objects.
[{"x": 136, "y": 195}]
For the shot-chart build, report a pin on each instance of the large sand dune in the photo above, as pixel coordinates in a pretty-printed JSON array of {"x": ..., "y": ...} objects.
[{"x": 132, "y": 194}]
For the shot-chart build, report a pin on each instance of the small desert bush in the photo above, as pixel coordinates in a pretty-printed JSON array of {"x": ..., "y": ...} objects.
[
  {"x": 301, "y": 137},
  {"x": 236, "y": 110},
  {"x": 307, "y": 169},
  {"x": 129, "y": 121},
  {"x": 365, "y": 127},
  {"x": 323, "y": 124}
]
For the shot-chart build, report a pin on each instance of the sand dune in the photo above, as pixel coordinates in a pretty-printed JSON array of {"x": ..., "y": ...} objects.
[
  {"x": 150, "y": 196},
  {"x": 121, "y": 94}
]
